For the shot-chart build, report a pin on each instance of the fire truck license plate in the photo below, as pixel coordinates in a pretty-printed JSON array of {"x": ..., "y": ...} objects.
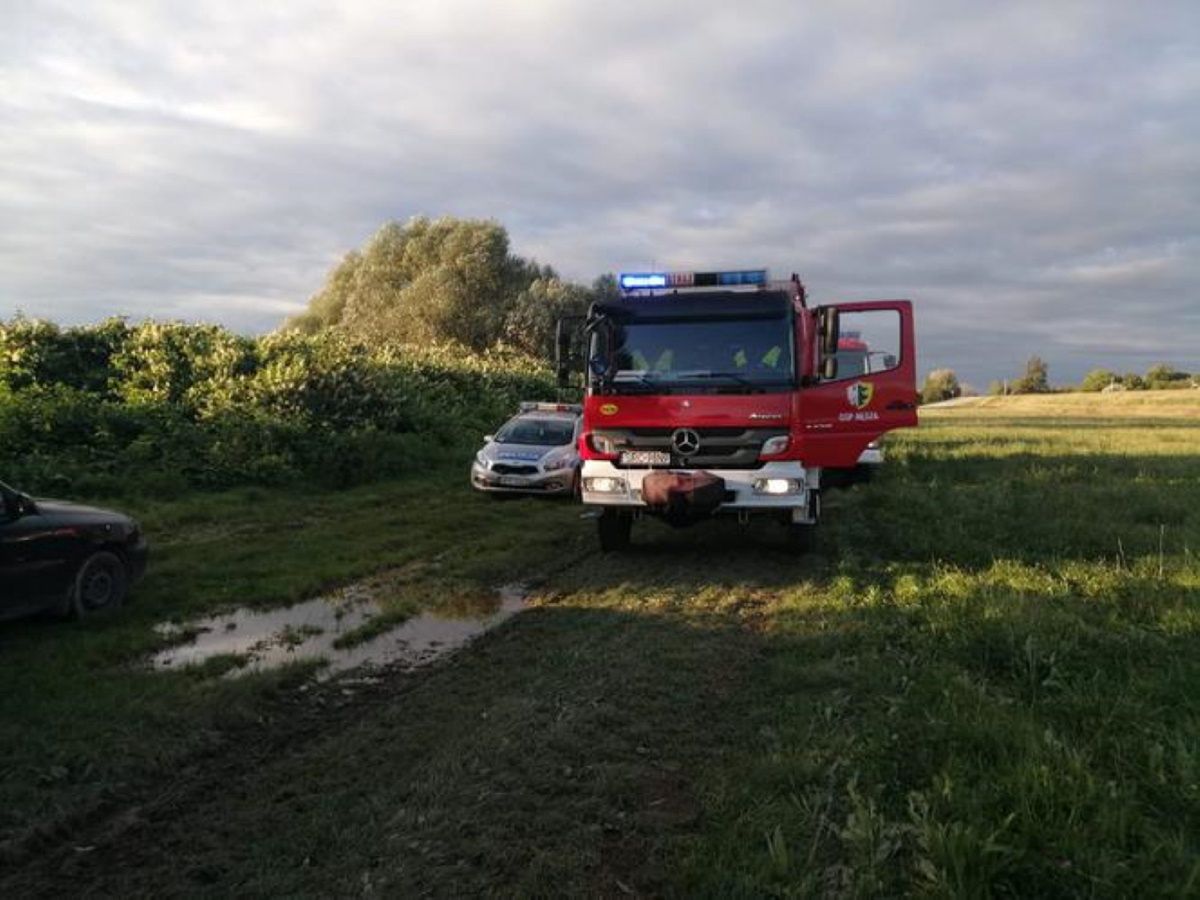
[{"x": 645, "y": 458}]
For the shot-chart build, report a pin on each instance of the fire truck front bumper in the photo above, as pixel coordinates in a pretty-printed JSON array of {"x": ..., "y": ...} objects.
[{"x": 774, "y": 487}]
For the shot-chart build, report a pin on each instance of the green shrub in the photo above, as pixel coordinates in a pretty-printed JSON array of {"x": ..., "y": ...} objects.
[{"x": 158, "y": 407}]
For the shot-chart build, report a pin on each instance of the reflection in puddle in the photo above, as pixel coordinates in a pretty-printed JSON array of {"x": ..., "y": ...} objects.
[{"x": 311, "y": 629}]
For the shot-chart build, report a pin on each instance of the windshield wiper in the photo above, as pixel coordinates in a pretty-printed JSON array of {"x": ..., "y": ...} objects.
[
  {"x": 629, "y": 376},
  {"x": 732, "y": 376}
]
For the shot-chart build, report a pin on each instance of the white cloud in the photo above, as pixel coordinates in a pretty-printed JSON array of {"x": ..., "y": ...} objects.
[{"x": 1027, "y": 173}]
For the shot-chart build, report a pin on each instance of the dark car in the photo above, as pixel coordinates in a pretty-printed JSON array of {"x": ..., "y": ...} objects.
[{"x": 65, "y": 558}]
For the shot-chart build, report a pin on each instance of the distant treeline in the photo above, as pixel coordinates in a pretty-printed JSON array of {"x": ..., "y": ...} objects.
[
  {"x": 116, "y": 407},
  {"x": 943, "y": 384}
]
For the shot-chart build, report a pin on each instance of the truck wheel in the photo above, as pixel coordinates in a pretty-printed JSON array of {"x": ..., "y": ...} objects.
[
  {"x": 802, "y": 536},
  {"x": 614, "y": 529},
  {"x": 100, "y": 585}
]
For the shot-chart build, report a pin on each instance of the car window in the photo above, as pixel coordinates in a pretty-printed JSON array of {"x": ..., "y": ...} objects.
[{"x": 541, "y": 432}]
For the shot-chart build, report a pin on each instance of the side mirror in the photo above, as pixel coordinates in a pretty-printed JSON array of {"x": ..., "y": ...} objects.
[
  {"x": 829, "y": 334},
  {"x": 830, "y": 331},
  {"x": 488, "y": 438},
  {"x": 14, "y": 506}
]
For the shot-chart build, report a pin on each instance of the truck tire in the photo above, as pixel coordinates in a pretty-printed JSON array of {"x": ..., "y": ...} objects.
[
  {"x": 802, "y": 536},
  {"x": 614, "y": 528}
]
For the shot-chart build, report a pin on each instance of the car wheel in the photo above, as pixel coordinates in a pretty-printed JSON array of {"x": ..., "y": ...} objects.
[{"x": 100, "y": 586}]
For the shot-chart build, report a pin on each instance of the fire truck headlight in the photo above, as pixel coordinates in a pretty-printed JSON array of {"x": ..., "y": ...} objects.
[
  {"x": 777, "y": 486},
  {"x": 774, "y": 445},
  {"x": 604, "y": 484}
]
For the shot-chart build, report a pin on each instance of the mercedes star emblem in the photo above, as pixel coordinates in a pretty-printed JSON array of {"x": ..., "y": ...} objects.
[{"x": 685, "y": 441}]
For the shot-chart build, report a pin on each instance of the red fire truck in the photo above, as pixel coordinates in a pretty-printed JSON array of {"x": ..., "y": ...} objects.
[{"x": 721, "y": 393}]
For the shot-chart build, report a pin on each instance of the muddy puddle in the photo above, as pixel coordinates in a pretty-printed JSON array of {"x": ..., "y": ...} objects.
[{"x": 312, "y": 630}]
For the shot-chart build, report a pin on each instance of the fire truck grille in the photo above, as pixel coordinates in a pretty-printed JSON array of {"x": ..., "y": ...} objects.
[{"x": 720, "y": 448}]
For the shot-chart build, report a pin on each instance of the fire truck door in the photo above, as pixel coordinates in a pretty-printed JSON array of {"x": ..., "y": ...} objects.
[{"x": 872, "y": 388}]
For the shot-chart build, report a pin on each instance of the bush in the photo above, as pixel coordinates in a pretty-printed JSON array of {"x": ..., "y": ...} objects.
[
  {"x": 940, "y": 384},
  {"x": 164, "y": 406},
  {"x": 1098, "y": 380}
]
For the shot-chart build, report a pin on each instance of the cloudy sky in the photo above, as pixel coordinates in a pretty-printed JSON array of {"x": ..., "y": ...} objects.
[{"x": 1028, "y": 174}]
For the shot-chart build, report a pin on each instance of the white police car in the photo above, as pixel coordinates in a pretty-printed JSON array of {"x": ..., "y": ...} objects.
[{"x": 534, "y": 452}]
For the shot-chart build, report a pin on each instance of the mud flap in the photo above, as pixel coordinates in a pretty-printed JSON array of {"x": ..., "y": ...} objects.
[{"x": 683, "y": 497}]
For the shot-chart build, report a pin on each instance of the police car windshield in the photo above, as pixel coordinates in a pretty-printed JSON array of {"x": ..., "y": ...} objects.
[
  {"x": 737, "y": 355},
  {"x": 539, "y": 432}
]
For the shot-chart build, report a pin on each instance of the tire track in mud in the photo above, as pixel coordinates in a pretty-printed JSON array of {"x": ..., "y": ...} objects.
[{"x": 50, "y": 857}]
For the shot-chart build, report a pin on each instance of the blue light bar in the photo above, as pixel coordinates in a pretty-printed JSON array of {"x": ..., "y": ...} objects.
[
  {"x": 743, "y": 276},
  {"x": 643, "y": 280},
  {"x": 650, "y": 280}
]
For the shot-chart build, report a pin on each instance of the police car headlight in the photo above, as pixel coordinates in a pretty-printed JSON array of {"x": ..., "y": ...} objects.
[
  {"x": 562, "y": 462},
  {"x": 777, "y": 486},
  {"x": 483, "y": 461},
  {"x": 774, "y": 445},
  {"x": 604, "y": 484}
]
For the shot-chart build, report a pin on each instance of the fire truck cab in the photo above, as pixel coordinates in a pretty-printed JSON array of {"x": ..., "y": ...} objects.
[{"x": 723, "y": 393}]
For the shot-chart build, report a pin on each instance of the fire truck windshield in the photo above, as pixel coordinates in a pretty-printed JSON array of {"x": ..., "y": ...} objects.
[{"x": 695, "y": 355}]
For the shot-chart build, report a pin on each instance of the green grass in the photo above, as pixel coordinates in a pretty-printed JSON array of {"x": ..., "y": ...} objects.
[
  {"x": 80, "y": 714},
  {"x": 986, "y": 681}
]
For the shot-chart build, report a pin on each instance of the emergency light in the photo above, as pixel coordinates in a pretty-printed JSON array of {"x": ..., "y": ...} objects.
[
  {"x": 529, "y": 406},
  {"x": 632, "y": 281},
  {"x": 645, "y": 280}
]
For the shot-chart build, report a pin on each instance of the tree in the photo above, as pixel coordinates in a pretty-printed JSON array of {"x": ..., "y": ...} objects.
[
  {"x": 326, "y": 306},
  {"x": 532, "y": 319},
  {"x": 1035, "y": 380},
  {"x": 605, "y": 287},
  {"x": 940, "y": 384},
  {"x": 1098, "y": 379},
  {"x": 425, "y": 281},
  {"x": 1163, "y": 376}
]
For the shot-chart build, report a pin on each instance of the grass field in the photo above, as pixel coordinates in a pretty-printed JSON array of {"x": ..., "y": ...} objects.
[
  {"x": 986, "y": 681},
  {"x": 1177, "y": 404}
]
